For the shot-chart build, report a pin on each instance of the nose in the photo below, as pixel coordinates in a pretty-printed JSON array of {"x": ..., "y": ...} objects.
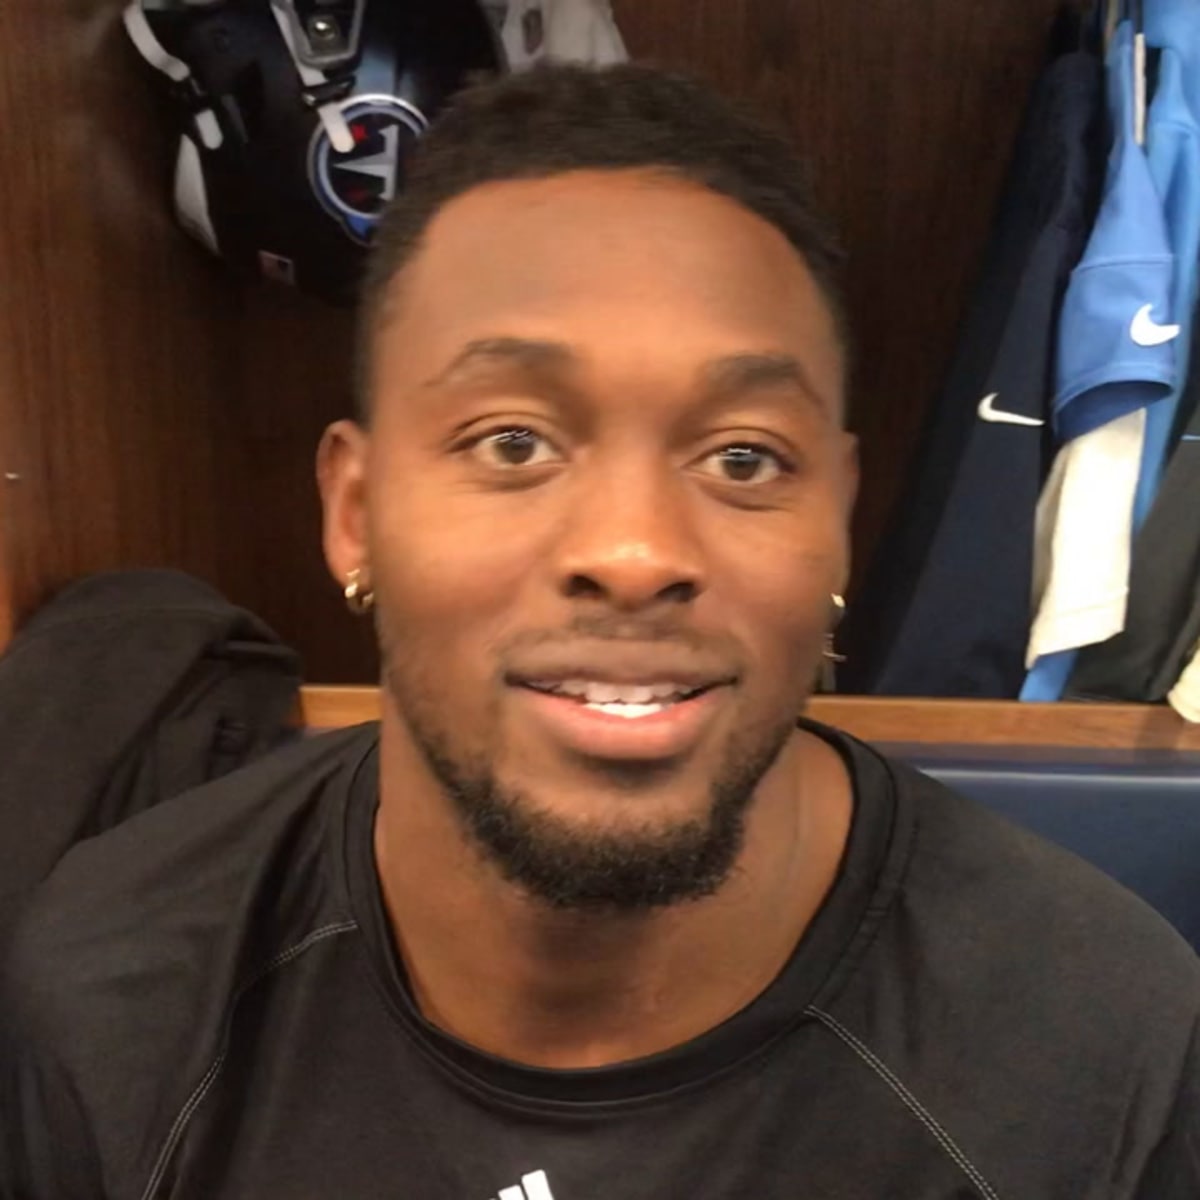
[{"x": 630, "y": 541}]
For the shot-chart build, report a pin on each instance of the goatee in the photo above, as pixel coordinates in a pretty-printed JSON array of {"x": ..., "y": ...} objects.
[{"x": 569, "y": 868}]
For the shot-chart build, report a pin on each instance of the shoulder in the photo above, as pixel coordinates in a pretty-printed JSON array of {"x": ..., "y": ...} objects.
[
  {"x": 1042, "y": 1015},
  {"x": 188, "y": 866},
  {"x": 196, "y": 852},
  {"x": 1036, "y": 971},
  {"x": 996, "y": 898},
  {"x": 121, "y": 968},
  {"x": 995, "y": 887}
]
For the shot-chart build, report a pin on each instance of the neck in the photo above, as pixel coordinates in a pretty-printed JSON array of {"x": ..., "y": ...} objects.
[{"x": 505, "y": 973}]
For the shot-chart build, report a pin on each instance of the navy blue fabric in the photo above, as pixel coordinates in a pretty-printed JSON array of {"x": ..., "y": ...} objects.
[
  {"x": 1139, "y": 821},
  {"x": 945, "y": 608}
]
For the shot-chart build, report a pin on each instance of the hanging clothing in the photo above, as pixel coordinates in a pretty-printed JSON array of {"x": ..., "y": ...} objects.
[
  {"x": 1115, "y": 359},
  {"x": 944, "y": 610},
  {"x": 1145, "y": 659},
  {"x": 1184, "y": 697},
  {"x": 1162, "y": 619},
  {"x": 126, "y": 689},
  {"x": 1173, "y": 151}
]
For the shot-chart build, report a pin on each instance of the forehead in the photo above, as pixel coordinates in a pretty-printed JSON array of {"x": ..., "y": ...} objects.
[{"x": 626, "y": 266}]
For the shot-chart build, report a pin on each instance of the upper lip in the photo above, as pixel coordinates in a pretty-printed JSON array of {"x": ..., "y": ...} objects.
[{"x": 629, "y": 664}]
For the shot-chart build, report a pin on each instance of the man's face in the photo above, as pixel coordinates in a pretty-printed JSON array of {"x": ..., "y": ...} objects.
[{"x": 606, "y": 497}]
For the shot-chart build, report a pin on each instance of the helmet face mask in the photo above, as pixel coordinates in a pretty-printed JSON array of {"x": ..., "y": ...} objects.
[
  {"x": 297, "y": 118},
  {"x": 326, "y": 33}
]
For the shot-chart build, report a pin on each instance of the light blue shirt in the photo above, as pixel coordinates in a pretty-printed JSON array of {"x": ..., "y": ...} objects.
[
  {"x": 1173, "y": 151},
  {"x": 1113, "y": 353}
]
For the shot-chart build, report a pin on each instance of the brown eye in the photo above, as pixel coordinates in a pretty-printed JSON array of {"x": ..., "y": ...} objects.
[
  {"x": 745, "y": 463},
  {"x": 513, "y": 447}
]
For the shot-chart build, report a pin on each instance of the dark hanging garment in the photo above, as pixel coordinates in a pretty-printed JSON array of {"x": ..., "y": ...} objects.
[
  {"x": 945, "y": 608},
  {"x": 127, "y": 689},
  {"x": 1162, "y": 618}
]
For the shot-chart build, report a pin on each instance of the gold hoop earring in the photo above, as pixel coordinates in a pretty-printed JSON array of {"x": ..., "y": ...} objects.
[
  {"x": 830, "y": 658},
  {"x": 359, "y": 598}
]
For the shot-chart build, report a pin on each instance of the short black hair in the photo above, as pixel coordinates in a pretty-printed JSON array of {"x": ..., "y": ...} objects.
[{"x": 560, "y": 118}]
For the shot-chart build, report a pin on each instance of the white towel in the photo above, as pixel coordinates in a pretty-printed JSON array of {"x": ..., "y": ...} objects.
[
  {"x": 1082, "y": 537},
  {"x": 1184, "y": 697},
  {"x": 582, "y": 31}
]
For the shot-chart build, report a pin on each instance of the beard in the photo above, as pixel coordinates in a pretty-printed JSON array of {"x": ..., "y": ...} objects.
[{"x": 569, "y": 867}]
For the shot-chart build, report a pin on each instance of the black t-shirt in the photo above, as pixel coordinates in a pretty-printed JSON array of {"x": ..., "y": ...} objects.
[{"x": 206, "y": 1003}]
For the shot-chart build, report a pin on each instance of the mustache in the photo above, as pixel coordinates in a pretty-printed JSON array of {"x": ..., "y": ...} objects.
[{"x": 613, "y": 627}]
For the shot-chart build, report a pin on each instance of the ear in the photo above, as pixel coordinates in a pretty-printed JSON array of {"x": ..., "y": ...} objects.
[{"x": 342, "y": 478}]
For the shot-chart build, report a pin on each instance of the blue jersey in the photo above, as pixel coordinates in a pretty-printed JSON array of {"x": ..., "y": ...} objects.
[
  {"x": 1116, "y": 352},
  {"x": 1173, "y": 150}
]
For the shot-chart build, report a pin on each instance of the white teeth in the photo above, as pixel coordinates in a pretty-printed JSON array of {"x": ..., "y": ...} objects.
[
  {"x": 573, "y": 687},
  {"x": 620, "y": 693},
  {"x": 629, "y": 711}
]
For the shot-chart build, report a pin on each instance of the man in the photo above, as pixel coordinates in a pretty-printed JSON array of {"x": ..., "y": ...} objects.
[{"x": 590, "y": 914}]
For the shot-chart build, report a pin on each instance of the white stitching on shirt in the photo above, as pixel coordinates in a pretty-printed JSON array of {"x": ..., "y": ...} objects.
[
  {"x": 910, "y": 1101},
  {"x": 197, "y": 1097}
]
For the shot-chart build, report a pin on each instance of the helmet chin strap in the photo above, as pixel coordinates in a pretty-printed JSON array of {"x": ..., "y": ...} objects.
[
  {"x": 161, "y": 59},
  {"x": 330, "y": 113}
]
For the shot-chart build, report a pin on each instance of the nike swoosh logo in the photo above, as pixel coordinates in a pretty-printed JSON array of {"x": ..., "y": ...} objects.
[
  {"x": 1146, "y": 331},
  {"x": 988, "y": 412}
]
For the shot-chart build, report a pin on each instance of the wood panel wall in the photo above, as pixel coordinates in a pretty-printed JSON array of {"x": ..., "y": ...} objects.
[
  {"x": 295, "y": 381},
  {"x": 114, "y": 344},
  {"x": 155, "y": 411}
]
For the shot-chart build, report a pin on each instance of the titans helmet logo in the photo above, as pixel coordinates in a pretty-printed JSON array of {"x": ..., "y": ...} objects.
[{"x": 355, "y": 187}]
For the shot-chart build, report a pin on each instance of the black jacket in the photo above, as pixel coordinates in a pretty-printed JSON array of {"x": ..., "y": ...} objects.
[{"x": 128, "y": 688}]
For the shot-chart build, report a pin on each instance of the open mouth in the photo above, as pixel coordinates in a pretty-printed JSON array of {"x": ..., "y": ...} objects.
[
  {"x": 631, "y": 702},
  {"x": 624, "y": 702}
]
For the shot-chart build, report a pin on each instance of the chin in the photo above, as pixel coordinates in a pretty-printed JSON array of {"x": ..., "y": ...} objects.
[
  {"x": 613, "y": 800},
  {"x": 649, "y": 861},
  {"x": 617, "y": 837},
  {"x": 578, "y": 830}
]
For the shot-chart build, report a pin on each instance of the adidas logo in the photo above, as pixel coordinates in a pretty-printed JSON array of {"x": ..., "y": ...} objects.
[{"x": 531, "y": 1187}]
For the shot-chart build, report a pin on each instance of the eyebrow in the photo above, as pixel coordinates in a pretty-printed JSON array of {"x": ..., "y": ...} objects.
[
  {"x": 738, "y": 373},
  {"x": 721, "y": 378},
  {"x": 522, "y": 353}
]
